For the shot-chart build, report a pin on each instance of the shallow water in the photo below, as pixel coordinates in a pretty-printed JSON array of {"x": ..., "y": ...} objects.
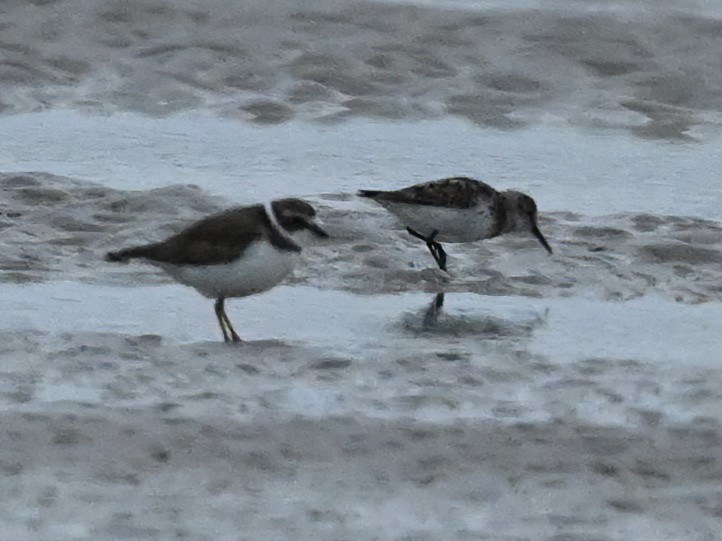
[
  {"x": 650, "y": 329},
  {"x": 666, "y": 340},
  {"x": 563, "y": 168}
]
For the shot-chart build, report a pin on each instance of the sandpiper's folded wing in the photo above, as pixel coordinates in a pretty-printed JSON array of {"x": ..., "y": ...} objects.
[{"x": 454, "y": 192}]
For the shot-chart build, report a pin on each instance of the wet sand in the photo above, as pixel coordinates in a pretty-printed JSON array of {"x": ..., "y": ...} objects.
[
  {"x": 612, "y": 257},
  {"x": 649, "y": 68}
]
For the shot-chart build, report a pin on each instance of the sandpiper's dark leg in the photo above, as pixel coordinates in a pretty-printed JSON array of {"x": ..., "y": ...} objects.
[
  {"x": 415, "y": 233},
  {"x": 437, "y": 251},
  {"x": 440, "y": 255},
  {"x": 220, "y": 314},
  {"x": 432, "y": 312}
]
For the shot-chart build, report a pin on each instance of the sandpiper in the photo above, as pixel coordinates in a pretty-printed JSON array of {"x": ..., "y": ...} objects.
[
  {"x": 459, "y": 209},
  {"x": 239, "y": 252}
]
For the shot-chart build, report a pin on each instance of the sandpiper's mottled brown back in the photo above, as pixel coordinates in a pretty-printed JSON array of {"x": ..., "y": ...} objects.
[{"x": 453, "y": 192}]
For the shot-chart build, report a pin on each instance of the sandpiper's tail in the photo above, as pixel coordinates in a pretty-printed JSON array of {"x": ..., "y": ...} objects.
[{"x": 122, "y": 256}]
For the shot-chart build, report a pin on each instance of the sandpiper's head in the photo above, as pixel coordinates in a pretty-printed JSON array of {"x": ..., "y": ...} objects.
[
  {"x": 295, "y": 215},
  {"x": 521, "y": 215}
]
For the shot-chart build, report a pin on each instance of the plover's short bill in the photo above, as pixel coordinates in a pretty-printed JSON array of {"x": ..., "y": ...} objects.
[
  {"x": 236, "y": 253},
  {"x": 459, "y": 209}
]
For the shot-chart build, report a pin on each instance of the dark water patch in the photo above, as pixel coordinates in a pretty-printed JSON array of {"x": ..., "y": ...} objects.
[
  {"x": 160, "y": 50},
  {"x": 382, "y": 60},
  {"x": 349, "y": 84},
  {"x": 651, "y": 472},
  {"x": 453, "y": 356},
  {"x": 308, "y": 91},
  {"x": 683, "y": 253},
  {"x": 20, "y": 278},
  {"x": 575, "y": 537},
  {"x": 666, "y": 128},
  {"x": 534, "y": 279},
  {"x": 19, "y": 181},
  {"x": 511, "y": 82},
  {"x": 700, "y": 235},
  {"x": 20, "y": 74},
  {"x": 116, "y": 42},
  {"x": 331, "y": 364},
  {"x": 119, "y": 15},
  {"x": 320, "y": 17},
  {"x": 419, "y": 401},
  {"x": 647, "y": 222},
  {"x": 163, "y": 99},
  {"x": 40, "y": 195},
  {"x": 428, "y": 65},
  {"x": 68, "y": 437},
  {"x": 614, "y": 36},
  {"x": 606, "y": 469},
  {"x": 253, "y": 79},
  {"x": 115, "y": 476},
  {"x": 248, "y": 369},
  {"x": 23, "y": 48},
  {"x": 611, "y": 68},
  {"x": 68, "y": 223},
  {"x": 11, "y": 469},
  {"x": 71, "y": 66},
  {"x": 112, "y": 218},
  {"x": 385, "y": 109},
  {"x": 21, "y": 394},
  {"x": 269, "y": 112},
  {"x": 485, "y": 109},
  {"x": 601, "y": 232}
]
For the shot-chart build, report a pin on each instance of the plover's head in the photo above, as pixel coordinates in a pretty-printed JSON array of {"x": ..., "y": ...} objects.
[
  {"x": 521, "y": 215},
  {"x": 295, "y": 216}
]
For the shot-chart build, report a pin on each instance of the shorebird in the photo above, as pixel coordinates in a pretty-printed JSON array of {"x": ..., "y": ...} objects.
[
  {"x": 459, "y": 209},
  {"x": 239, "y": 252}
]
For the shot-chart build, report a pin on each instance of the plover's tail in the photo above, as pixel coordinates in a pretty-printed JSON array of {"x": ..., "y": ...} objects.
[
  {"x": 122, "y": 256},
  {"x": 370, "y": 193}
]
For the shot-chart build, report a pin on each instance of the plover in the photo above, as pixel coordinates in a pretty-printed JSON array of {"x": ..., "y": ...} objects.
[
  {"x": 459, "y": 209},
  {"x": 239, "y": 252}
]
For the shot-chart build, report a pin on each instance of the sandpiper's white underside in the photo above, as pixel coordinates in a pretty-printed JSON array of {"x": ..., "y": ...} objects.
[
  {"x": 452, "y": 224},
  {"x": 260, "y": 267}
]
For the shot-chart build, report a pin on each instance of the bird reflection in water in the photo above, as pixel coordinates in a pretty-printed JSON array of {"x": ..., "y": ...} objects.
[{"x": 432, "y": 312}]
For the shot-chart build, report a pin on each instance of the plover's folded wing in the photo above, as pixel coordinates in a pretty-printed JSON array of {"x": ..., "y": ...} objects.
[
  {"x": 221, "y": 238},
  {"x": 455, "y": 192}
]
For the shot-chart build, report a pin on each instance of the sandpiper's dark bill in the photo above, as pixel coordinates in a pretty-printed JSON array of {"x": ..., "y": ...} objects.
[
  {"x": 239, "y": 252},
  {"x": 538, "y": 234},
  {"x": 459, "y": 209}
]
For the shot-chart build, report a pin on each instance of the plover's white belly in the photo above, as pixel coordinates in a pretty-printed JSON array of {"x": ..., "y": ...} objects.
[
  {"x": 453, "y": 225},
  {"x": 260, "y": 267}
]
